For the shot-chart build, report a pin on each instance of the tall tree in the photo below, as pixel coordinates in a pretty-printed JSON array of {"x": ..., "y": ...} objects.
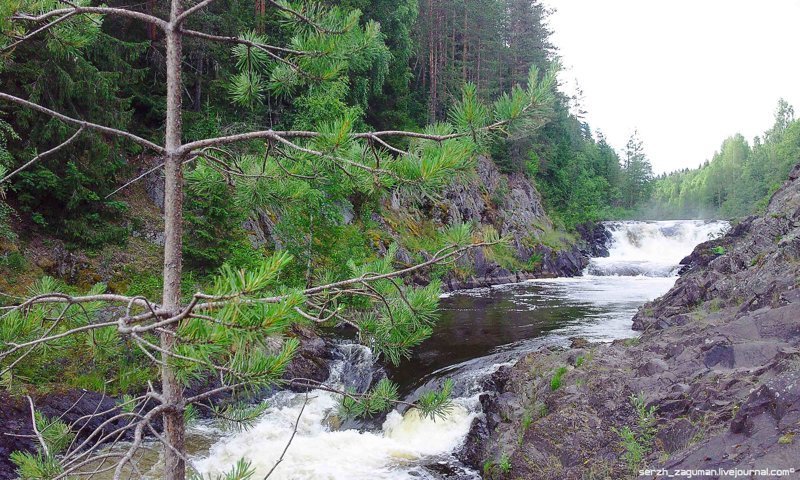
[{"x": 637, "y": 171}]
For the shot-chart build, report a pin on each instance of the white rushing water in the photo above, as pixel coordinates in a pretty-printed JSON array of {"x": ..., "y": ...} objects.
[
  {"x": 319, "y": 451},
  {"x": 653, "y": 249},
  {"x": 642, "y": 265}
]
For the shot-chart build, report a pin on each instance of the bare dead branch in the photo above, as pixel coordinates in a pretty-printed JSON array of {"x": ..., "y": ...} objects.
[
  {"x": 44, "y": 154},
  {"x": 76, "y": 9},
  {"x": 287, "y": 134},
  {"x": 291, "y": 438},
  {"x": 74, "y": 121},
  {"x": 148, "y": 172},
  {"x": 36, "y": 429},
  {"x": 387, "y": 146},
  {"x": 38, "y": 30},
  {"x": 241, "y": 41},
  {"x": 190, "y": 11},
  {"x": 438, "y": 257}
]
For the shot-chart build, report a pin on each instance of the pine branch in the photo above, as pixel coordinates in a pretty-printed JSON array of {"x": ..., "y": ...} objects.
[{"x": 247, "y": 43}]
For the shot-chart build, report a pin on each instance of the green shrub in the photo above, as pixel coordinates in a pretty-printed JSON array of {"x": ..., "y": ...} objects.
[
  {"x": 527, "y": 421},
  {"x": 637, "y": 442},
  {"x": 555, "y": 382},
  {"x": 14, "y": 261},
  {"x": 505, "y": 463}
]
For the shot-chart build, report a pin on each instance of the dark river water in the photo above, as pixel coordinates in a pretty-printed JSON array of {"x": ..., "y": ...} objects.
[{"x": 508, "y": 320}]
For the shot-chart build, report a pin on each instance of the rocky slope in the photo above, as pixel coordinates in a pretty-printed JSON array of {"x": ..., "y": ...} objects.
[
  {"x": 510, "y": 204},
  {"x": 713, "y": 382}
]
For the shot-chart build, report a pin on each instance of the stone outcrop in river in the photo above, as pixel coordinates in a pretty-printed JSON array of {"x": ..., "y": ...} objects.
[{"x": 713, "y": 382}]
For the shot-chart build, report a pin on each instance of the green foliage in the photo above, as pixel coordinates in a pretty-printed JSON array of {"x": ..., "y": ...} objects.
[
  {"x": 14, "y": 261},
  {"x": 527, "y": 421},
  {"x": 56, "y": 434},
  {"x": 580, "y": 178},
  {"x": 436, "y": 403},
  {"x": 504, "y": 464},
  {"x": 637, "y": 442},
  {"x": 378, "y": 399},
  {"x": 213, "y": 220},
  {"x": 43, "y": 465},
  {"x": 36, "y": 466},
  {"x": 718, "y": 250},
  {"x": 83, "y": 72},
  {"x": 239, "y": 417},
  {"x": 739, "y": 179},
  {"x": 555, "y": 381},
  {"x": 242, "y": 470},
  {"x": 97, "y": 359},
  {"x": 634, "y": 451},
  {"x": 322, "y": 57}
]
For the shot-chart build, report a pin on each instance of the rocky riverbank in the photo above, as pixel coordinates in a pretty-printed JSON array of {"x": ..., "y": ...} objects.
[{"x": 712, "y": 382}]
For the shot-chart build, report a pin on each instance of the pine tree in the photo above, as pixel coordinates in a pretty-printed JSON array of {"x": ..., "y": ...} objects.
[{"x": 225, "y": 330}]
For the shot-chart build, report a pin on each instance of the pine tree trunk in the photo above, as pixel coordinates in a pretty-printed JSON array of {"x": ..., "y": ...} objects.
[
  {"x": 464, "y": 47},
  {"x": 174, "y": 465}
]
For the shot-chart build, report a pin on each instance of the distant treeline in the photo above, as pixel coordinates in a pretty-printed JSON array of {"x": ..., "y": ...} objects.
[{"x": 737, "y": 181}]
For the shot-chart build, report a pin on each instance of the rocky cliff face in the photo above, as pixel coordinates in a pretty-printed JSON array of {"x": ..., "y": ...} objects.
[
  {"x": 513, "y": 206},
  {"x": 717, "y": 368},
  {"x": 509, "y": 203}
]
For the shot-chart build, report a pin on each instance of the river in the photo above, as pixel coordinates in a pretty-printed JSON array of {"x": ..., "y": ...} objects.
[{"x": 479, "y": 331}]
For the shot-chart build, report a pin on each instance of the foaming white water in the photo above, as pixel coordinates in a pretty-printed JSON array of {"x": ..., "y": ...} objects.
[
  {"x": 320, "y": 451},
  {"x": 654, "y": 249}
]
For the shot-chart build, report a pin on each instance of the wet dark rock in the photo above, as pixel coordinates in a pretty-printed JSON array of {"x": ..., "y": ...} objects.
[
  {"x": 597, "y": 238},
  {"x": 578, "y": 342},
  {"x": 472, "y": 451},
  {"x": 719, "y": 354},
  {"x": 449, "y": 471},
  {"x": 312, "y": 359},
  {"x": 15, "y": 433},
  {"x": 654, "y": 366}
]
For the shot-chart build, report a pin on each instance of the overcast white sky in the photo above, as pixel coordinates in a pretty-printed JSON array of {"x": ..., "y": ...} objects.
[{"x": 686, "y": 73}]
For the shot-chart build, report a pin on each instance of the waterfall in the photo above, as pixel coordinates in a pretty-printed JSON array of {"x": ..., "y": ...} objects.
[{"x": 652, "y": 249}]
